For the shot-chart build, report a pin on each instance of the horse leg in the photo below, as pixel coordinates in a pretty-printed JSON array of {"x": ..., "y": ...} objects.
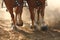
[
  {"x": 16, "y": 15},
  {"x": 19, "y": 13},
  {"x": 32, "y": 17},
  {"x": 38, "y": 11},
  {"x": 43, "y": 25},
  {"x": 12, "y": 16}
]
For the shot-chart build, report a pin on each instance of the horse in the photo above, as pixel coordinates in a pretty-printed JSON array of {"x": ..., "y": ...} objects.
[
  {"x": 40, "y": 6},
  {"x": 18, "y": 5}
]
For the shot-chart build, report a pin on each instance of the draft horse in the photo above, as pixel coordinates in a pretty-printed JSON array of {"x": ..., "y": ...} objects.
[{"x": 40, "y": 6}]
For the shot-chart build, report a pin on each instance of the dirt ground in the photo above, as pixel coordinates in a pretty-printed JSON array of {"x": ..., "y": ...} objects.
[{"x": 52, "y": 18}]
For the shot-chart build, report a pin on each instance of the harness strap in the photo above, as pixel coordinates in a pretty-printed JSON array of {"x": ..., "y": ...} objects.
[
  {"x": 38, "y": 3},
  {"x": 18, "y": 4}
]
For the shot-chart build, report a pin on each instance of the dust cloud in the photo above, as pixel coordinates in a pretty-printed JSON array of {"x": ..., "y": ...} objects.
[{"x": 52, "y": 13}]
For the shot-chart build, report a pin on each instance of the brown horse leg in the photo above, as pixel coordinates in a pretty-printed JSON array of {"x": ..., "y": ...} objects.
[
  {"x": 32, "y": 17},
  {"x": 38, "y": 11},
  {"x": 12, "y": 15},
  {"x": 19, "y": 13},
  {"x": 43, "y": 25},
  {"x": 15, "y": 16}
]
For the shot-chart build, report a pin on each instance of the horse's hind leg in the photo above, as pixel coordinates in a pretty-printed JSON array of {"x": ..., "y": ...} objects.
[
  {"x": 19, "y": 14},
  {"x": 43, "y": 24},
  {"x": 38, "y": 12}
]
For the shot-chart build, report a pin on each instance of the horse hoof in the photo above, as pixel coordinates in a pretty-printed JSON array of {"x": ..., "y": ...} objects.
[
  {"x": 14, "y": 28},
  {"x": 44, "y": 28},
  {"x": 37, "y": 22},
  {"x": 12, "y": 25},
  {"x": 20, "y": 24},
  {"x": 34, "y": 28}
]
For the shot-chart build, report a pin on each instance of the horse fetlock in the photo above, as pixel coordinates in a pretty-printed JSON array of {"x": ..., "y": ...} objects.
[
  {"x": 38, "y": 22},
  {"x": 33, "y": 27},
  {"x": 20, "y": 23},
  {"x": 14, "y": 28},
  {"x": 12, "y": 25}
]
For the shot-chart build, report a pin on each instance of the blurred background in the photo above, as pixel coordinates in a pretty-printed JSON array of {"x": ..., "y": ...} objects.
[{"x": 52, "y": 13}]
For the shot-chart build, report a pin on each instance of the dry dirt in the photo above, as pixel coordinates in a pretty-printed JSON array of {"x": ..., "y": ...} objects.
[{"x": 52, "y": 18}]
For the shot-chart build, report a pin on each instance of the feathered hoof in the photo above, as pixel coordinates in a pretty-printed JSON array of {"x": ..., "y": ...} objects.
[
  {"x": 20, "y": 23},
  {"x": 44, "y": 28},
  {"x": 14, "y": 28},
  {"x": 34, "y": 28}
]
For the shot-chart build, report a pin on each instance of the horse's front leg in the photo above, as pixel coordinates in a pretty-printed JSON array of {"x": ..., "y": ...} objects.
[
  {"x": 43, "y": 24},
  {"x": 32, "y": 15}
]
